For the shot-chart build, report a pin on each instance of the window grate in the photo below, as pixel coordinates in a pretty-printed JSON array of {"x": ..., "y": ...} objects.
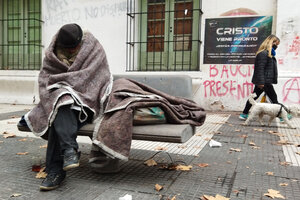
[
  {"x": 20, "y": 38},
  {"x": 163, "y": 35}
]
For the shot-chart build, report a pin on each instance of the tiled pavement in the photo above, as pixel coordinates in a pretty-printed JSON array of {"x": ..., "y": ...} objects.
[{"x": 236, "y": 175}]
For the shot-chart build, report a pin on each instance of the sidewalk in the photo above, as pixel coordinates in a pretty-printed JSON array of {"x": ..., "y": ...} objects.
[{"x": 252, "y": 160}]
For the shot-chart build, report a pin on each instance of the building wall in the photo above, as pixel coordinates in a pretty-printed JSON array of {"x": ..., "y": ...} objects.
[{"x": 107, "y": 21}]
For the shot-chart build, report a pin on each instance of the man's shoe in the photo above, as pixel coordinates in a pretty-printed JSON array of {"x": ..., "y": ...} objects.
[
  {"x": 71, "y": 159},
  {"x": 105, "y": 165},
  {"x": 52, "y": 181},
  {"x": 243, "y": 116}
]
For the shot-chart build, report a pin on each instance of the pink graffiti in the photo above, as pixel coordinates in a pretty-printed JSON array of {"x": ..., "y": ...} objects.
[
  {"x": 295, "y": 46},
  {"x": 230, "y": 70},
  {"x": 219, "y": 89},
  {"x": 291, "y": 88},
  {"x": 227, "y": 86}
]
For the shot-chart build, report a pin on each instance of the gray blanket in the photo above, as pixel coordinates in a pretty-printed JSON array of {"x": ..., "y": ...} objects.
[
  {"x": 85, "y": 84},
  {"x": 114, "y": 132}
]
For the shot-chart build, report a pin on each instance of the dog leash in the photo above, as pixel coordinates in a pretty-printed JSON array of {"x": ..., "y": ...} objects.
[{"x": 285, "y": 108}]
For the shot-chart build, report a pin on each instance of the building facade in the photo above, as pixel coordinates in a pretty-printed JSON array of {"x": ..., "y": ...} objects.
[{"x": 213, "y": 41}]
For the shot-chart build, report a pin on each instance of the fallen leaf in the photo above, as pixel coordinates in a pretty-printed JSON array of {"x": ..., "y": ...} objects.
[
  {"x": 1, "y": 141},
  {"x": 22, "y": 153},
  {"x": 274, "y": 194},
  {"x": 203, "y": 164},
  {"x": 15, "y": 195},
  {"x": 285, "y": 163},
  {"x": 36, "y": 168},
  {"x": 11, "y": 122},
  {"x": 158, "y": 187},
  {"x": 184, "y": 167},
  {"x": 228, "y": 162},
  {"x": 22, "y": 140},
  {"x": 41, "y": 173},
  {"x": 298, "y": 152},
  {"x": 150, "y": 162},
  {"x": 160, "y": 148},
  {"x": 43, "y": 146},
  {"x": 173, "y": 198},
  {"x": 275, "y": 133},
  {"x": 270, "y": 173},
  {"x": 297, "y": 135},
  {"x": 9, "y": 135},
  {"x": 230, "y": 125},
  {"x": 207, "y": 139},
  {"x": 284, "y": 142},
  {"x": 252, "y": 143},
  {"x": 234, "y": 149},
  {"x": 255, "y": 147},
  {"x": 217, "y": 197},
  {"x": 237, "y": 130},
  {"x": 198, "y": 134},
  {"x": 243, "y": 136},
  {"x": 283, "y": 184},
  {"x": 182, "y": 146}
]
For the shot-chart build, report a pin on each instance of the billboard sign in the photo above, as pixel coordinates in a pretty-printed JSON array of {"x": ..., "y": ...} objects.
[{"x": 234, "y": 40}]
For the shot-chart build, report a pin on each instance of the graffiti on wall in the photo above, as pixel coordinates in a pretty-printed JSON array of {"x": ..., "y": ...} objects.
[
  {"x": 229, "y": 80},
  {"x": 294, "y": 47},
  {"x": 62, "y": 11},
  {"x": 291, "y": 91}
]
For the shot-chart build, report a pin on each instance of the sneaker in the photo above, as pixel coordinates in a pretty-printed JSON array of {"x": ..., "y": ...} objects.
[
  {"x": 280, "y": 119},
  {"x": 52, "y": 181},
  {"x": 289, "y": 116},
  {"x": 243, "y": 116},
  {"x": 71, "y": 159}
]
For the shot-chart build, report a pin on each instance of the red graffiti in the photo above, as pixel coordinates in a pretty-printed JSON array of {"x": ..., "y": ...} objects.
[
  {"x": 218, "y": 88},
  {"x": 223, "y": 84},
  {"x": 295, "y": 46},
  {"x": 231, "y": 70},
  {"x": 291, "y": 91}
]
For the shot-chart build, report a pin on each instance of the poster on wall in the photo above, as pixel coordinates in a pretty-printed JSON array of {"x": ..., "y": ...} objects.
[{"x": 234, "y": 40}]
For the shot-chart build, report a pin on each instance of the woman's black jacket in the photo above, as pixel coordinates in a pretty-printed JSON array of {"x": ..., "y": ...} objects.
[{"x": 265, "y": 69}]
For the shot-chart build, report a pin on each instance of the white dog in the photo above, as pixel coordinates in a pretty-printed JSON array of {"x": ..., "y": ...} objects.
[{"x": 273, "y": 110}]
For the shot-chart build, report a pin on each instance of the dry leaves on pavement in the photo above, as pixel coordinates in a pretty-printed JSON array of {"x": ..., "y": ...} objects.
[
  {"x": 235, "y": 149},
  {"x": 275, "y": 133},
  {"x": 283, "y": 184},
  {"x": 158, "y": 187},
  {"x": 217, "y": 197},
  {"x": 150, "y": 162},
  {"x": 285, "y": 163},
  {"x": 22, "y": 153},
  {"x": 184, "y": 167},
  {"x": 8, "y": 135},
  {"x": 274, "y": 194},
  {"x": 203, "y": 165},
  {"x": 159, "y": 148},
  {"x": 41, "y": 174},
  {"x": 43, "y": 146},
  {"x": 15, "y": 195},
  {"x": 270, "y": 173},
  {"x": 284, "y": 142}
]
